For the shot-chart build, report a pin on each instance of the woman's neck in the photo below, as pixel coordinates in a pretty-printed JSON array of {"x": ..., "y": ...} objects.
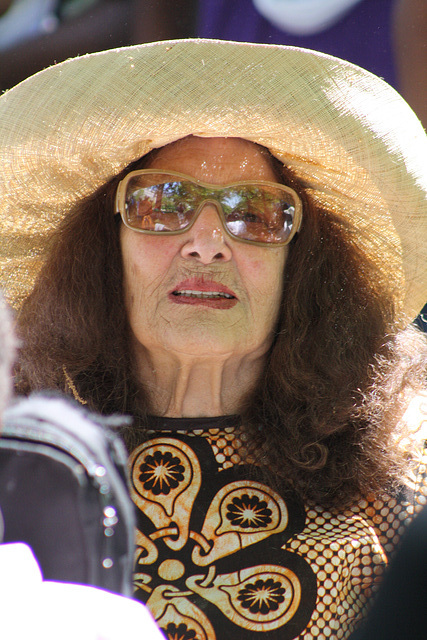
[{"x": 190, "y": 386}]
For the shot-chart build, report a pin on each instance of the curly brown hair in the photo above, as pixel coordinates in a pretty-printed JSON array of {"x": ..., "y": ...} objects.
[{"x": 326, "y": 411}]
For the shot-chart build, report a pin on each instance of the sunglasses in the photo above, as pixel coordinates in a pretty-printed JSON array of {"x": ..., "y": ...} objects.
[{"x": 168, "y": 203}]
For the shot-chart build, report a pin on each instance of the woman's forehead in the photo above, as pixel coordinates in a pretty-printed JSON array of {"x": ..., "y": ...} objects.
[{"x": 213, "y": 159}]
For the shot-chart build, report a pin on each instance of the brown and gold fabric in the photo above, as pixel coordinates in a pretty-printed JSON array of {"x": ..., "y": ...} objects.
[{"x": 221, "y": 554}]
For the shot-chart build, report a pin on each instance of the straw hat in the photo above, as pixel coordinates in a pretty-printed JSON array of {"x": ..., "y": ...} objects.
[{"x": 350, "y": 137}]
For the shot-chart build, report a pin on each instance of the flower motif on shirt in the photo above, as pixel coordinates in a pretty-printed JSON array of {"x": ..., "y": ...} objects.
[
  {"x": 249, "y": 512},
  {"x": 161, "y": 472},
  {"x": 180, "y": 632},
  {"x": 262, "y": 596},
  {"x": 209, "y": 559}
]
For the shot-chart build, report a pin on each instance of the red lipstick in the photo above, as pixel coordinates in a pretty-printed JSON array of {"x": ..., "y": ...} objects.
[{"x": 201, "y": 292}]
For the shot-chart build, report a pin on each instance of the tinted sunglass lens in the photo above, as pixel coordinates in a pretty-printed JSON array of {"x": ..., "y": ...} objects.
[
  {"x": 160, "y": 207},
  {"x": 258, "y": 214}
]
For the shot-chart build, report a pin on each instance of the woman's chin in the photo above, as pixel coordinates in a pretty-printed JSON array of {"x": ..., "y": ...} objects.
[
  {"x": 212, "y": 342},
  {"x": 206, "y": 345}
]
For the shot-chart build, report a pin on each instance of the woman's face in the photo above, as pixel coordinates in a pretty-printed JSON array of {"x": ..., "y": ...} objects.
[{"x": 170, "y": 282}]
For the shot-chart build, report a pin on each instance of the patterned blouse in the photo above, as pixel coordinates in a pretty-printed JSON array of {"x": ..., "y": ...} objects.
[{"x": 222, "y": 555}]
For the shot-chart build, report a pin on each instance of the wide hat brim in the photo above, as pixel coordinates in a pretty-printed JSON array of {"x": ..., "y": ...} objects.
[{"x": 351, "y": 139}]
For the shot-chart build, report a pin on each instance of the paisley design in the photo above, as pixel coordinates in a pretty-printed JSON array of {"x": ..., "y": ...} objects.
[
  {"x": 165, "y": 476},
  {"x": 209, "y": 560},
  {"x": 172, "y": 611},
  {"x": 262, "y": 598}
]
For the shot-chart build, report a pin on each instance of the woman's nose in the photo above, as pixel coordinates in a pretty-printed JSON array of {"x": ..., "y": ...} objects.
[{"x": 207, "y": 240}]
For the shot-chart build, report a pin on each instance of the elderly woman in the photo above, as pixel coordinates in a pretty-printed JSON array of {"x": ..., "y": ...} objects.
[{"x": 227, "y": 241}]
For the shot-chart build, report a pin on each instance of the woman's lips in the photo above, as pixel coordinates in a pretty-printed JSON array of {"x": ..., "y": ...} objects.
[{"x": 206, "y": 293}]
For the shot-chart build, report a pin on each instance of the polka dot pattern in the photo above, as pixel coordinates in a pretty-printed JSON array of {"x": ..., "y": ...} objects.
[{"x": 227, "y": 445}]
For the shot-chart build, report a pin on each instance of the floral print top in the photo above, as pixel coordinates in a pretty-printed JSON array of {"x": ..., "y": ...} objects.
[{"x": 220, "y": 554}]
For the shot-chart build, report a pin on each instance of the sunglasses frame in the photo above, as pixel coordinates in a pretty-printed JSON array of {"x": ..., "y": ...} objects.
[{"x": 120, "y": 205}]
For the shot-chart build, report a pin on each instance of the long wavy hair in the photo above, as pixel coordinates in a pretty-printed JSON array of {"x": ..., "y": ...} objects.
[{"x": 326, "y": 413}]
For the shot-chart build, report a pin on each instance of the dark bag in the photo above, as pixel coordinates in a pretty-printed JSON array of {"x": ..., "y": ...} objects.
[{"x": 63, "y": 491}]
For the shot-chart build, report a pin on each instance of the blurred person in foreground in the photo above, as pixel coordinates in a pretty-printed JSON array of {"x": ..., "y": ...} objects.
[
  {"x": 31, "y": 607},
  {"x": 227, "y": 242}
]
